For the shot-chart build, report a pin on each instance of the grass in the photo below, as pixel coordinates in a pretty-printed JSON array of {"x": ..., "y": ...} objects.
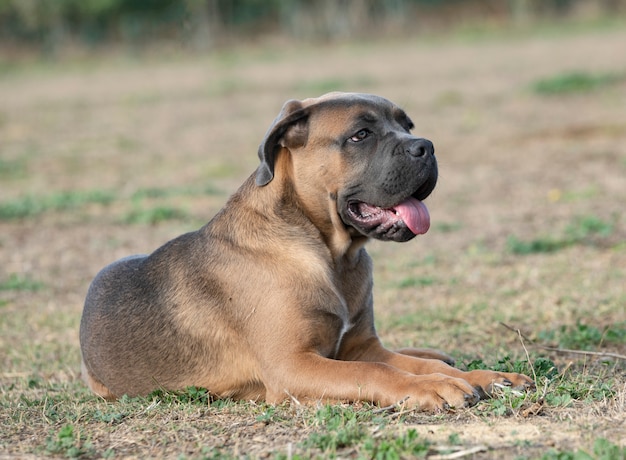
[
  {"x": 154, "y": 215},
  {"x": 77, "y": 425},
  {"x": 602, "y": 450},
  {"x": 585, "y": 336},
  {"x": 12, "y": 169},
  {"x": 582, "y": 230},
  {"x": 576, "y": 82},
  {"x": 28, "y": 206},
  {"x": 69, "y": 442},
  {"x": 416, "y": 282},
  {"x": 16, "y": 282}
]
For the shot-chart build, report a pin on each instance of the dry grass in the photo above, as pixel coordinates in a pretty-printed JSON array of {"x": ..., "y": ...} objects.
[{"x": 108, "y": 158}]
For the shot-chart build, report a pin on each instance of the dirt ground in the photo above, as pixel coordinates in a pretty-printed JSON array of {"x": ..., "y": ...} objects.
[{"x": 513, "y": 163}]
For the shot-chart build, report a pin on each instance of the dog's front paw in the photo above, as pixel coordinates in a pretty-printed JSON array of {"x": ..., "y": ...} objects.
[
  {"x": 485, "y": 381},
  {"x": 438, "y": 392}
]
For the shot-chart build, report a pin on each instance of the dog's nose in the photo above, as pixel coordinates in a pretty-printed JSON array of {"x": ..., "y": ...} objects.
[{"x": 420, "y": 148}]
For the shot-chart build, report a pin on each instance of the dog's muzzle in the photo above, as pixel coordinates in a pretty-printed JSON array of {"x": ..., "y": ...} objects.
[{"x": 394, "y": 210}]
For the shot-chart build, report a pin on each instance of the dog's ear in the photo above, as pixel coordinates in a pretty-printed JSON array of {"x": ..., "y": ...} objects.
[{"x": 290, "y": 130}]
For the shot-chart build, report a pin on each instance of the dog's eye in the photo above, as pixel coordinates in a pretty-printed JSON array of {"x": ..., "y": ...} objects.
[{"x": 360, "y": 135}]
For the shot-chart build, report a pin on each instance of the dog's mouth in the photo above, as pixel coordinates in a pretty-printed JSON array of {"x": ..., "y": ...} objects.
[{"x": 410, "y": 214}]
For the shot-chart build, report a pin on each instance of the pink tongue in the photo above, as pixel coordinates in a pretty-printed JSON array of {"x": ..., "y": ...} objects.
[{"x": 415, "y": 215}]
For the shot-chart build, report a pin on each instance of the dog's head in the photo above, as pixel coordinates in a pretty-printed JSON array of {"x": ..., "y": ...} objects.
[{"x": 355, "y": 150}]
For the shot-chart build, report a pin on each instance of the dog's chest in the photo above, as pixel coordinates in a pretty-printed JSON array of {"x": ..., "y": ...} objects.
[
  {"x": 354, "y": 292},
  {"x": 345, "y": 328}
]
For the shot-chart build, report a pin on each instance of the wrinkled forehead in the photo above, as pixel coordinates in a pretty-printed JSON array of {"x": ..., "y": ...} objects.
[{"x": 343, "y": 109}]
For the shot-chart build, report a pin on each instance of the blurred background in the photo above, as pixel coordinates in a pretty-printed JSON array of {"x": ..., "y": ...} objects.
[{"x": 57, "y": 26}]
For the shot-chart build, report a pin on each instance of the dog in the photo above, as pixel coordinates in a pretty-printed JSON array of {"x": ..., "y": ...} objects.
[{"x": 273, "y": 297}]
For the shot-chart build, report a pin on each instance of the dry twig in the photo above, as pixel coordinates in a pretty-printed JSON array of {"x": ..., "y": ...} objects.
[
  {"x": 599, "y": 354},
  {"x": 459, "y": 453}
]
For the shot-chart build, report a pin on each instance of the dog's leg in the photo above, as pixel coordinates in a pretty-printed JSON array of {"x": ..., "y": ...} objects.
[
  {"x": 427, "y": 353},
  {"x": 314, "y": 377},
  {"x": 482, "y": 380}
]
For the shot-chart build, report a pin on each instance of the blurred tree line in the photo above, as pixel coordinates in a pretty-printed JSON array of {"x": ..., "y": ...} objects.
[{"x": 52, "y": 24}]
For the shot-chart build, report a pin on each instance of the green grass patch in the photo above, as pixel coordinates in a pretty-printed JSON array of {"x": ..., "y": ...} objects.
[
  {"x": 340, "y": 427},
  {"x": 584, "y": 336},
  {"x": 576, "y": 82},
  {"x": 29, "y": 206},
  {"x": 603, "y": 449},
  {"x": 12, "y": 169},
  {"x": 538, "y": 245},
  {"x": 586, "y": 193},
  {"x": 416, "y": 281},
  {"x": 344, "y": 427},
  {"x": 126, "y": 144},
  {"x": 448, "y": 227},
  {"x": 541, "y": 367},
  {"x": 586, "y": 388},
  {"x": 69, "y": 442},
  {"x": 405, "y": 445},
  {"x": 585, "y": 227},
  {"x": 155, "y": 215},
  {"x": 582, "y": 230},
  {"x": 191, "y": 395},
  {"x": 160, "y": 192},
  {"x": 553, "y": 388},
  {"x": 143, "y": 213},
  {"x": 17, "y": 282}
]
